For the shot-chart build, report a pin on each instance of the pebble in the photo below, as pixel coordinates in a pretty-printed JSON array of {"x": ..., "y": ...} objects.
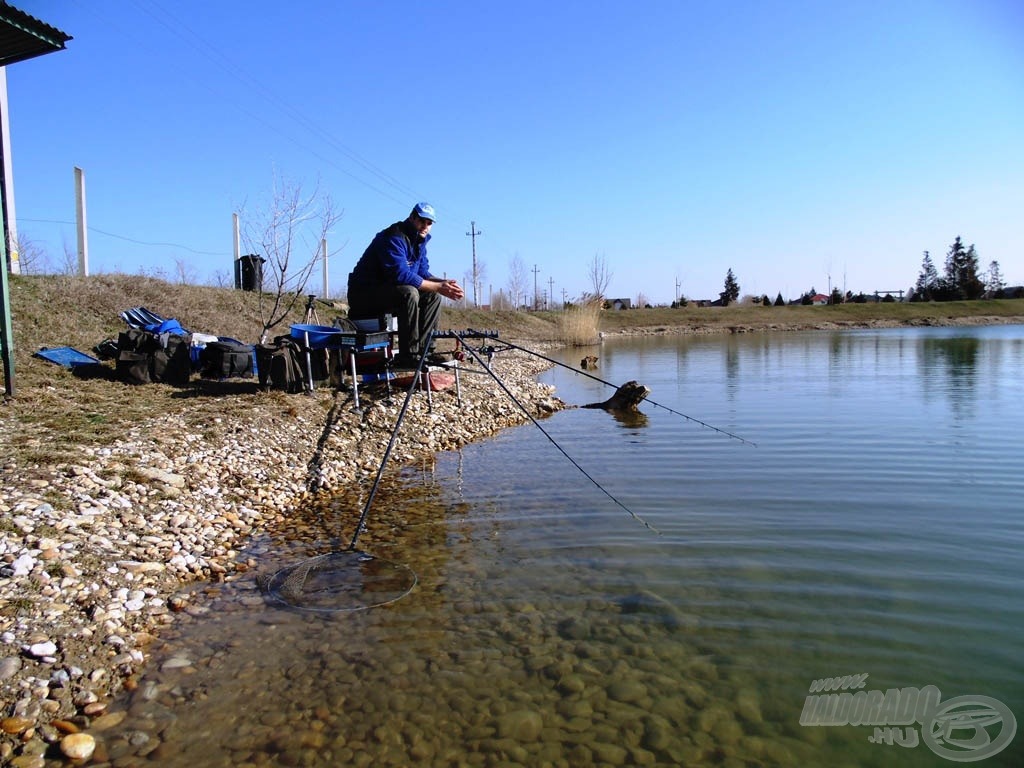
[
  {"x": 98, "y": 568},
  {"x": 78, "y": 746}
]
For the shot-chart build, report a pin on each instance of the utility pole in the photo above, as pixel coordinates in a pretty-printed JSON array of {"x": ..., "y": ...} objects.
[
  {"x": 677, "y": 290},
  {"x": 563, "y": 298},
  {"x": 473, "y": 232},
  {"x": 551, "y": 288},
  {"x": 535, "y": 271}
]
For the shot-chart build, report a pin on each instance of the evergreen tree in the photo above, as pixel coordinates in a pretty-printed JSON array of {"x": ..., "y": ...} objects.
[
  {"x": 927, "y": 281},
  {"x": 961, "y": 280},
  {"x": 995, "y": 284},
  {"x": 779, "y": 301},
  {"x": 732, "y": 289}
]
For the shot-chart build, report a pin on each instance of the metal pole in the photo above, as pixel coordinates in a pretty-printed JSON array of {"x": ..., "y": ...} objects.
[
  {"x": 83, "y": 237},
  {"x": 473, "y": 232}
]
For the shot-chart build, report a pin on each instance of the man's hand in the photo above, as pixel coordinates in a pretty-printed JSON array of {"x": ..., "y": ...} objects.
[{"x": 450, "y": 289}]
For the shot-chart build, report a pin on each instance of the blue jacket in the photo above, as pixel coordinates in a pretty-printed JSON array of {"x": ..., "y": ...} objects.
[{"x": 394, "y": 257}]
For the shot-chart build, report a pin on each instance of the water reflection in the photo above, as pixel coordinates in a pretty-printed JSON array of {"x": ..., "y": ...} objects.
[{"x": 949, "y": 366}]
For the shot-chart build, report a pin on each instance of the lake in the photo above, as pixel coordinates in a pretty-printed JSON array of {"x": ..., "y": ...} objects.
[{"x": 845, "y": 592}]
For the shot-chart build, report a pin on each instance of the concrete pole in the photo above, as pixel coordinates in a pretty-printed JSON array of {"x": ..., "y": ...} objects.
[
  {"x": 7, "y": 174},
  {"x": 83, "y": 236}
]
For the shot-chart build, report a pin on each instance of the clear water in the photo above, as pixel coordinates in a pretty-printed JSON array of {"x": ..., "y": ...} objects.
[{"x": 875, "y": 529}]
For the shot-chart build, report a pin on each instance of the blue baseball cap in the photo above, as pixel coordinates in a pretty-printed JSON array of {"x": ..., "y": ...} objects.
[{"x": 425, "y": 211}]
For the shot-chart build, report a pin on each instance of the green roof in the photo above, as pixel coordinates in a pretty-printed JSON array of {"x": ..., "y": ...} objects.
[{"x": 24, "y": 37}]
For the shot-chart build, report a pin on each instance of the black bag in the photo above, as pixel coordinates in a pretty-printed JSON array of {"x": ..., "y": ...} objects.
[
  {"x": 225, "y": 359},
  {"x": 144, "y": 357},
  {"x": 171, "y": 363},
  {"x": 278, "y": 365},
  {"x": 135, "y": 348},
  {"x": 133, "y": 367}
]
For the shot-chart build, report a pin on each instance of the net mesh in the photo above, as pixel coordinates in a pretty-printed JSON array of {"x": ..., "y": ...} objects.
[{"x": 341, "y": 581}]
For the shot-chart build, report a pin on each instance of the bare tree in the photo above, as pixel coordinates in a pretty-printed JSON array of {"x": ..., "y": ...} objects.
[
  {"x": 221, "y": 278},
  {"x": 287, "y": 234},
  {"x": 517, "y": 281},
  {"x": 500, "y": 301},
  {"x": 69, "y": 264},
  {"x": 31, "y": 257},
  {"x": 641, "y": 300},
  {"x": 185, "y": 272},
  {"x": 600, "y": 275}
]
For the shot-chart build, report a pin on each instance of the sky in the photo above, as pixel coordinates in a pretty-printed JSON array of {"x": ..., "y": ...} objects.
[{"x": 800, "y": 144}]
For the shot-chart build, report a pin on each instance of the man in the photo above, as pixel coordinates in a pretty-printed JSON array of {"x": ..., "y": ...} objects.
[{"x": 393, "y": 277}]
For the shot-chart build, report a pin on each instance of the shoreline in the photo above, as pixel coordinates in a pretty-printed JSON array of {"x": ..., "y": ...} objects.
[{"x": 98, "y": 557}]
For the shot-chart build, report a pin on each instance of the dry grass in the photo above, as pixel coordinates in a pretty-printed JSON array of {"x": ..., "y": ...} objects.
[{"x": 579, "y": 325}]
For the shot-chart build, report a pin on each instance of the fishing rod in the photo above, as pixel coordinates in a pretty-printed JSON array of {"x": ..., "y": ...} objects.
[
  {"x": 609, "y": 384},
  {"x": 536, "y": 423},
  {"x": 387, "y": 452}
]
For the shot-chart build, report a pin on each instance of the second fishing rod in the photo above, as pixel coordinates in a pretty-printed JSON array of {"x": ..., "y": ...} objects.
[{"x": 704, "y": 424}]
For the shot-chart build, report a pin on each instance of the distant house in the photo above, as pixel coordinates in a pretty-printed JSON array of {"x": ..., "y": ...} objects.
[
  {"x": 619, "y": 304},
  {"x": 819, "y": 298}
]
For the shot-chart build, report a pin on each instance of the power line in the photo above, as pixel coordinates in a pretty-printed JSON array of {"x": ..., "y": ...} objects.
[{"x": 130, "y": 239}]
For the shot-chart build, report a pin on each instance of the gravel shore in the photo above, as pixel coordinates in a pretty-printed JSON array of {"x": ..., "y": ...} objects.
[{"x": 94, "y": 554}]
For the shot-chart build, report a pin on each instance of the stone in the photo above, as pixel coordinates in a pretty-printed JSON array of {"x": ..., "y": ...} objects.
[
  {"x": 42, "y": 650},
  {"x": 15, "y": 725},
  {"x": 521, "y": 725},
  {"x": 9, "y": 666},
  {"x": 78, "y": 746}
]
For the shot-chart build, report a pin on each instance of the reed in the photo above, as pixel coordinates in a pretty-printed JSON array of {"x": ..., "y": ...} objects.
[{"x": 579, "y": 325}]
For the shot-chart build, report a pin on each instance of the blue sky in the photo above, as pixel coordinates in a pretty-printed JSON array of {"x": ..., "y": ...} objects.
[{"x": 796, "y": 143}]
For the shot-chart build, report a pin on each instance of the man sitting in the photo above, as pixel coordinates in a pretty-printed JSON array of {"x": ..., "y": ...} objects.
[{"x": 393, "y": 277}]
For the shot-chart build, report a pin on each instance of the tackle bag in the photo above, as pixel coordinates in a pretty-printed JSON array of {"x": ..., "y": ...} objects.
[
  {"x": 279, "y": 366},
  {"x": 172, "y": 363},
  {"x": 225, "y": 359},
  {"x": 144, "y": 357}
]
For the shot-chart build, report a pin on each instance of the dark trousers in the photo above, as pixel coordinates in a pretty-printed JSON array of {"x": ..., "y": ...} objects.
[{"x": 416, "y": 312}]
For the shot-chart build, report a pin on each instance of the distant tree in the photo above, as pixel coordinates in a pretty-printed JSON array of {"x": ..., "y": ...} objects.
[
  {"x": 995, "y": 284},
  {"x": 732, "y": 289},
  {"x": 808, "y": 298},
  {"x": 779, "y": 301},
  {"x": 517, "y": 281},
  {"x": 185, "y": 272},
  {"x": 927, "y": 282},
  {"x": 500, "y": 301},
  {"x": 836, "y": 297},
  {"x": 31, "y": 257},
  {"x": 600, "y": 275},
  {"x": 641, "y": 300},
  {"x": 961, "y": 280},
  {"x": 765, "y": 301}
]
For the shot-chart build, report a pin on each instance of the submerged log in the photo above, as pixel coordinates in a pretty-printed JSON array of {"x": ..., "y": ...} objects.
[{"x": 626, "y": 398}]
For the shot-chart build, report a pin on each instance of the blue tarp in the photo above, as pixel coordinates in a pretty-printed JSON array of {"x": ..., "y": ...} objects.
[{"x": 66, "y": 356}]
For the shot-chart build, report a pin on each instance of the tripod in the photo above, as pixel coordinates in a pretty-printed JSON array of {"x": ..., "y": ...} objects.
[{"x": 311, "y": 318}]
